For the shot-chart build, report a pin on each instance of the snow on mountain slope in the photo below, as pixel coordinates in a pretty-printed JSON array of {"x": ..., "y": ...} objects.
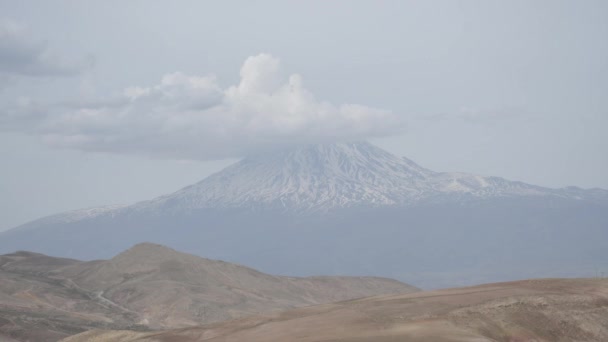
[
  {"x": 320, "y": 178},
  {"x": 72, "y": 216},
  {"x": 325, "y": 177}
]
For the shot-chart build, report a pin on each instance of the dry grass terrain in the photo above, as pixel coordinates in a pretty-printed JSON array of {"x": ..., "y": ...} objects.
[
  {"x": 36, "y": 305},
  {"x": 152, "y": 287},
  {"x": 549, "y": 310}
]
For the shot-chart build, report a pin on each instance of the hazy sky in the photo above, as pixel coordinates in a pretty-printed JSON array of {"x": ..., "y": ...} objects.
[{"x": 106, "y": 102}]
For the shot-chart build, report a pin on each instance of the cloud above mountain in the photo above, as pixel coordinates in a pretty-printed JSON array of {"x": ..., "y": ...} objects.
[{"x": 193, "y": 117}]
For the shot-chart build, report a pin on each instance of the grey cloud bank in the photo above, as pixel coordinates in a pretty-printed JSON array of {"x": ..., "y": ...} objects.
[
  {"x": 21, "y": 56},
  {"x": 192, "y": 117}
]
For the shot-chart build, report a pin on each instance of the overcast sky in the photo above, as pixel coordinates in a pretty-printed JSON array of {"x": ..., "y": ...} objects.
[{"x": 105, "y": 102}]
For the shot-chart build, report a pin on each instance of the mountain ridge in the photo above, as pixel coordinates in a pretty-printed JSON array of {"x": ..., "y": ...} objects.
[
  {"x": 320, "y": 178},
  {"x": 324, "y": 177}
]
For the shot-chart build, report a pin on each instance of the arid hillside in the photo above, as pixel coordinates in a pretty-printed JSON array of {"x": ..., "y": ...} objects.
[
  {"x": 548, "y": 310},
  {"x": 151, "y": 287}
]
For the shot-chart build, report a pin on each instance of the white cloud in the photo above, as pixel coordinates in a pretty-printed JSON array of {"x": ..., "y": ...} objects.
[{"x": 192, "y": 117}]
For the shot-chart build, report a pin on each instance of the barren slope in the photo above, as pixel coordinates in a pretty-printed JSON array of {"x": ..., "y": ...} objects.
[
  {"x": 35, "y": 305},
  {"x": 533, "y": 310},
  {"x": 169, "y": 288},
  {"x": 150, "y": 286}
]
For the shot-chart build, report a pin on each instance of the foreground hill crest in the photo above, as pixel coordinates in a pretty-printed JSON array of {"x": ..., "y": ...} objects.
[
  {"x": 530, "y": 310},
  {"x": 150, "y": 286}
]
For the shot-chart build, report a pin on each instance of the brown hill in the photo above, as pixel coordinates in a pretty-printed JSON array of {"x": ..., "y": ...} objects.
[
  {"x": 534, "y": 310},
  {"x": 36, "y": 305},
  {"x": 150, "y": 287}
]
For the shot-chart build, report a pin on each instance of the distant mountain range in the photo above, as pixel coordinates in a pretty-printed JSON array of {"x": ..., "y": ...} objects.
[
  {"x": 350, "y": 208},
  {"x": 149, "y": 287}
]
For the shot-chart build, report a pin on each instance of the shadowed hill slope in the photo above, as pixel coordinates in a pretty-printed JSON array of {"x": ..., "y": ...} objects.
[
  {"x": 170, "y": 288},
  {"x": 149, "y": 287},
  {"x": 535, "y": 310}
]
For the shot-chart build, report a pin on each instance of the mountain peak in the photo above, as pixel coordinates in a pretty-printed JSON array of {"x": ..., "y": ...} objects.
[
  {"x": 320, "y": 149},
  {"x": 145, "y": 259},
  {"x": 325, "y": 177},
  {"x": 339, "y": 156},
  {"x": 146, "y": 253},
  {"x": 350, "y": 160},
  {"x": 149, "y": 247},
  {"x": 307, "y": 178}
]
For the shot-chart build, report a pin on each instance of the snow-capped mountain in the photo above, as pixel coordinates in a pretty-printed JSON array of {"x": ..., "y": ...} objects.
[
  {"x": 325, "y": 177},
  {"x": 349, "y": 208},
  {"x": 320, "y": 178}
]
